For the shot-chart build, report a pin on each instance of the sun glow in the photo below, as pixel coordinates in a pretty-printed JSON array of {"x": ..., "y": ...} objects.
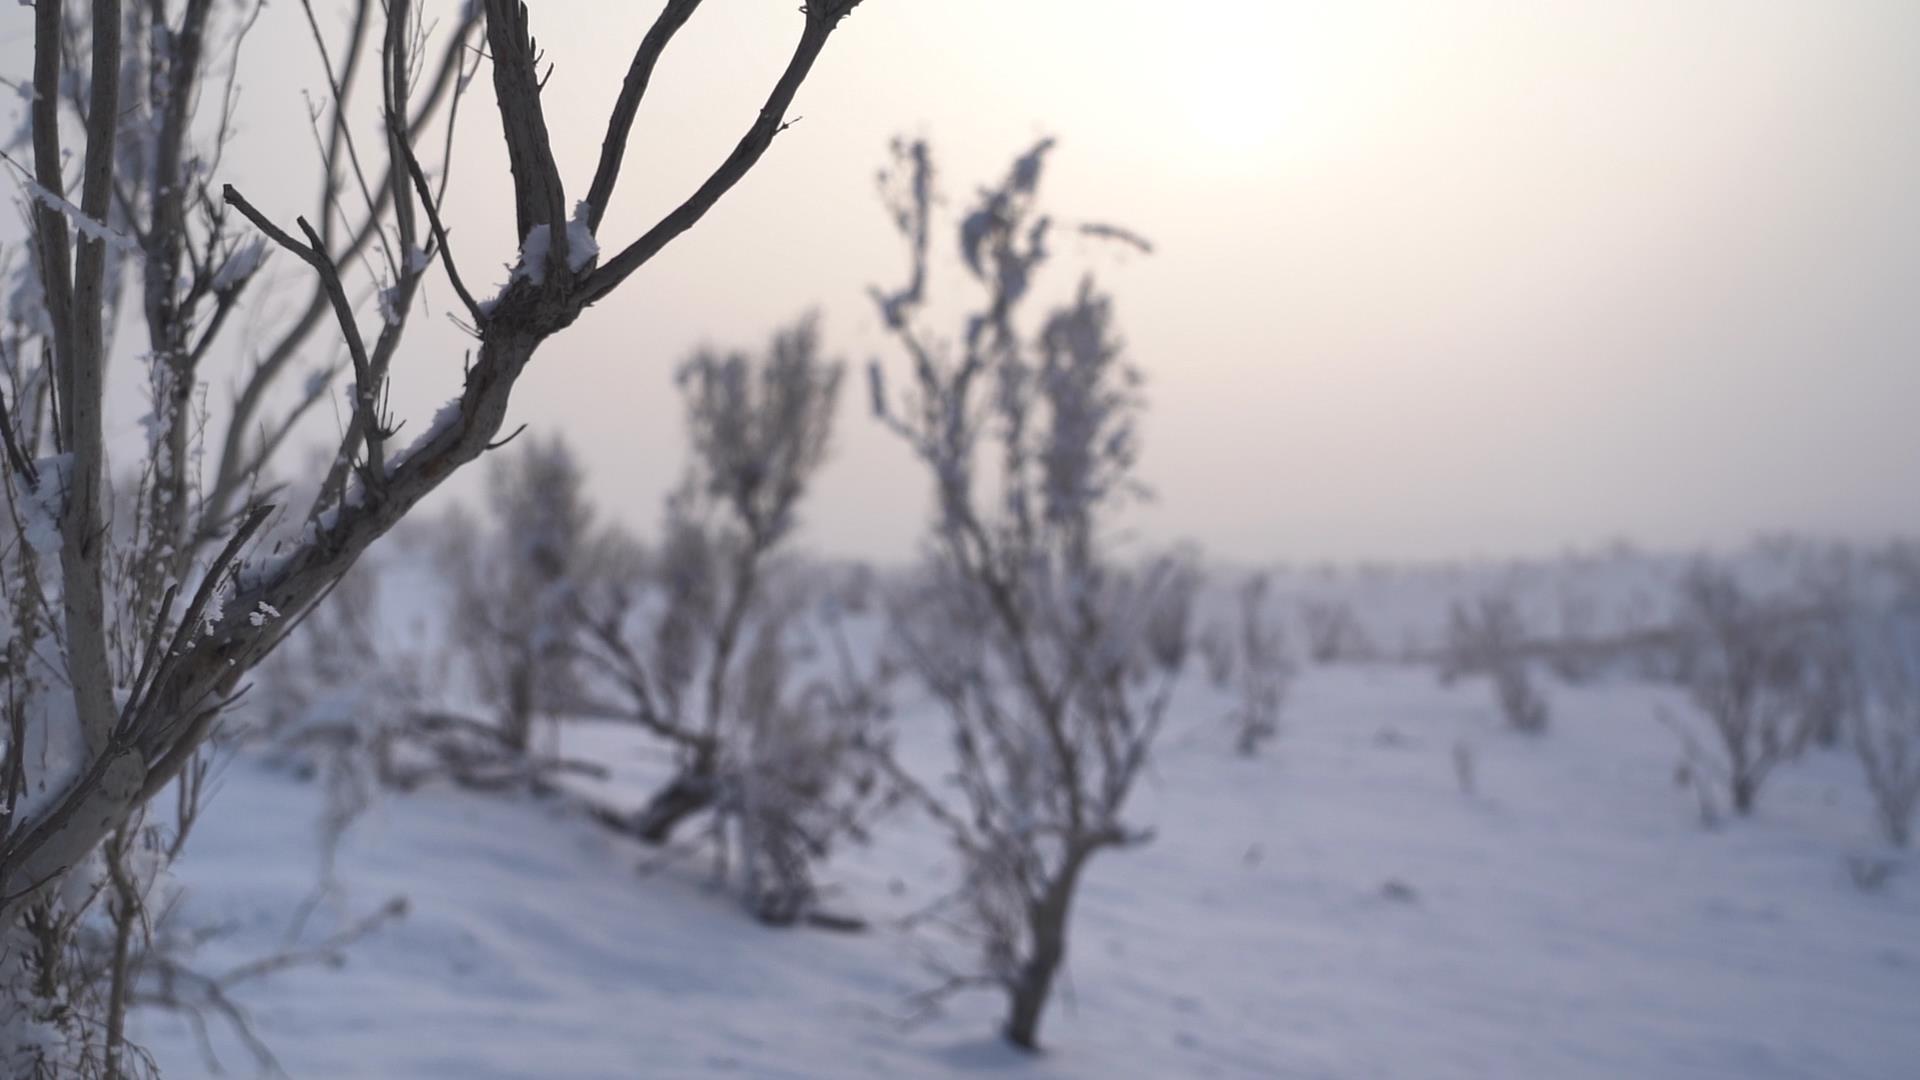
[
  {"x": 1275, "y": 84},
  {"x": 1235, "y": 116}
]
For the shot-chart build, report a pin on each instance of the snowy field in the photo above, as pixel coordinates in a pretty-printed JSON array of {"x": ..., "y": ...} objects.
[{"x": 1340, "y": 906}]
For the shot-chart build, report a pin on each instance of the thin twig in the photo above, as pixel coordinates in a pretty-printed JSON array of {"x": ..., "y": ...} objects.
[{"x": 433, "y": 221}]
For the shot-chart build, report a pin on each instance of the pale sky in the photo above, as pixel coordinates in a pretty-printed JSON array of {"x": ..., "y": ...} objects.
[{"x": 1433, "y": 279}]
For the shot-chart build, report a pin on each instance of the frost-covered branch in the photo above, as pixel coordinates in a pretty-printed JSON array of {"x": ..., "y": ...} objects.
[{"x": 110, "y": 682}]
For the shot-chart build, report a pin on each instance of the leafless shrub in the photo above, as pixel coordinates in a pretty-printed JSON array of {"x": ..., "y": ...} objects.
[
  {"x": 515, "y": 599},
  {"x": 1832, "y": 592},
  {"x": 759, "y": 430},
  {"x": 1480, "y": 635},
  {"x": 1574, "y": 658},
  {"x": 1885, "y": 727},
  {"x": 1490, "y": 638},
  {"x": 1217, "y": 652},
  {"x": 1824, "y": 689},
  {"x": 1266, "y": 668},
  {"x": 1740, "y": 678},
  {"x": 1052, "y": 659},
  {"x": 708, "y": 655},
  {"x": 1696, "y": 771},
  {"x": 806, "y": 773},
  {"x": 1522, "y": 706},
  {"x": 1335, "y": 634}
]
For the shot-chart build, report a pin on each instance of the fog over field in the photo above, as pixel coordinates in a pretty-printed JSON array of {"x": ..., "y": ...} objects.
[{"x": 1481, "y": 278}]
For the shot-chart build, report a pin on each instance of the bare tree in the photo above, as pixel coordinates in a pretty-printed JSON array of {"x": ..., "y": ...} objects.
[
  {"x": 1572, "y": 658},
  {"x": 1334, "y": 633},
  {"x": 1053, "y": 660},
  {"x": 1266, "y": 668},
  {"x": 759, "y": 431},
  {"x": 1740, "y": 678},
  {"x": 1490, "y": 638},
  {"x": 127, "y": 644},
  {"x": 1832, "y": 590},
  {"x": 1217, "y": 644},
  {"x": 709, "y": 658},
  {"x": 1886, "y": 725},
  {"x": 805, "y": 772},
  {"x": 515, "y": 605}
]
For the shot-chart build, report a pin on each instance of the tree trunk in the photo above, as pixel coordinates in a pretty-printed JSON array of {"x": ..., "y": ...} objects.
[
  {"x": 1744, "y": 789},
  {"x": 1047, "y": 923},
  {"x": 96, "y": 804},
  {"x": 516, "y": 723},
  {"x": 1029, "y": 995},
  {"x": 686, "y": 795}
]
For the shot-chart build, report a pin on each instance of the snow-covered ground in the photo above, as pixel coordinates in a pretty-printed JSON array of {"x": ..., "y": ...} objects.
[{"x": 1336, "y": 907}]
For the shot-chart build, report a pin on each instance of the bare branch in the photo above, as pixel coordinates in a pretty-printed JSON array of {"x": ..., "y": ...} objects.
[
  {"x": 613, "y": 149},
  {"x": 539, "y": 197},
  {"x": 752, "y": 145},
  {"x": 433, "y": 221},
  {"x": 365, "y": 396},
  {"x": 234, "y": 462}
]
